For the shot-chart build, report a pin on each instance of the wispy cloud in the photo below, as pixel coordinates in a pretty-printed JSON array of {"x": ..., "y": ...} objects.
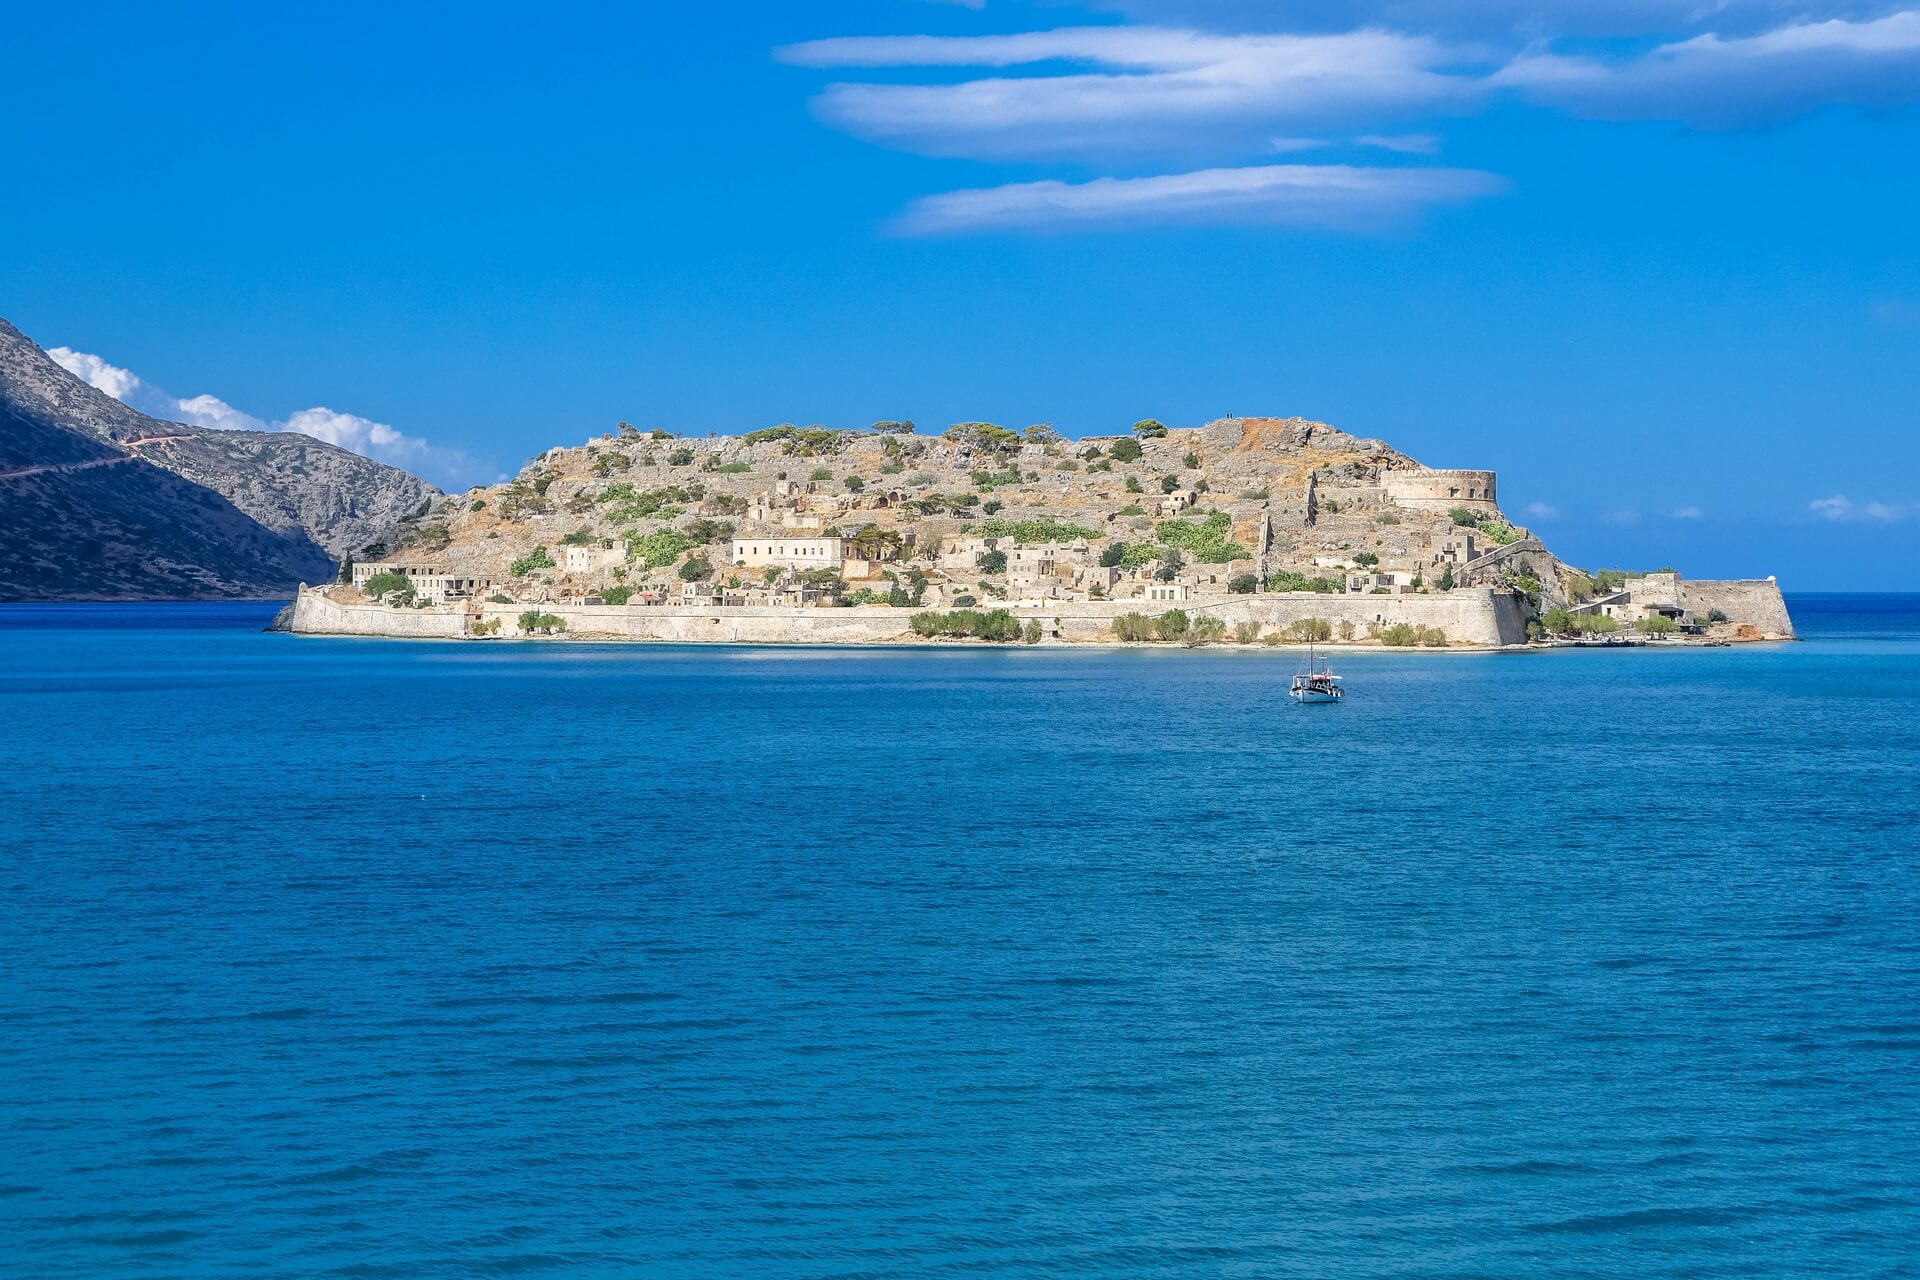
[
  {"x": 1342, "y": 197},
  {"x": 1542, "y": 511},
  {"x": 1153, "y": 89},
  {"x": 1687, "y": 513},
  {"x": 1721, "y": 81},
  {"x": 451, "y": 468},
  {"x": 1841, "y": 507},
  {"x": 1416, "y": 144},
  {"x": 1181, "y": 95}
]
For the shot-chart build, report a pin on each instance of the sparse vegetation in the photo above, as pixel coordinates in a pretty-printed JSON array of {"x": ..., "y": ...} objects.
[
  {"x": 534, "y": 559},
  {"x": 534, "y": 622},
  {"x": 1030, "y": 532},
  {"x": 1206, "y": 539}
]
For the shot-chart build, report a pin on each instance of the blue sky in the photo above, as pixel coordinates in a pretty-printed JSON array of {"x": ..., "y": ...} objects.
[{"x": 1654, "y": 261}]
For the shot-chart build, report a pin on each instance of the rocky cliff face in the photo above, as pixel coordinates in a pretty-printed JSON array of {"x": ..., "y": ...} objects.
[
  {"x": 99, "y": 501},
  {"x": 292, "y": 484}
]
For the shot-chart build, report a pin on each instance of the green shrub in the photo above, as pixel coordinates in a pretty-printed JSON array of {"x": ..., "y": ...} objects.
[
  {"x": 1027, "y": 532},
  {"x": 1149, "y": 429},
  {"x": 680, "y": 457},
  {"x": 1288, "y": 580},
  {"x": 1111, "y": 554},
  {"x": 660, "y": 548},
  {"x": 1132, "y": 627},
  {"x": 1206, "y": 629},
  {"x": 534, "y": 559},
  {"x": 1125, "y": 451},
  {"x": 1246, "y": 632},
  {"x": 533, "y": 621},
  {"x": 388, "y": 583},
  {"x": 1206, "y": 539},
  {"x": 1030, "y": 634},
  {"x": 1317, "y": 630},
  {"x": 581, "y": 537},
  {"x": 617, "y": 595},
  {"x": 1655, "y": 624},
  {"x": 1242, "y": 584},
  {"x": 821, "y": 473},
  {"x": 998, "y": 625},
  {"x": 1134, "y": 485},
  {"x": 1466, "y": 517},
  {"x": 733, "y": 468},
  {"x": 1366, "y": 558},
  {"x": 992, "y": 561},
  {"x": 1714, "y": 615},
  {"x": 696, "y": 569}
]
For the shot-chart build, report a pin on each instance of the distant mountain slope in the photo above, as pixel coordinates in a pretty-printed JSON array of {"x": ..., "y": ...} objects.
[
  {"x": 81, "y": 520},
  {"x": 293, "y": 484}
]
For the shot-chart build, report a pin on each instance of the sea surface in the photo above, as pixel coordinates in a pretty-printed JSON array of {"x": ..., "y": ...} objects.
[{"x": 358, "y": 958}]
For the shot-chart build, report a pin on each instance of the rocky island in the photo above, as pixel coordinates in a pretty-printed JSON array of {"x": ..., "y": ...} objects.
[{"x": 1249, "y": 530}]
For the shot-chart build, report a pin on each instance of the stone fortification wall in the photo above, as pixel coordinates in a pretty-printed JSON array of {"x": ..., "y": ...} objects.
[
  {"x": 1755, "y": 602},
  {"x": 1426, "y": 490},
  {"x": 1480, "y": 617},
  {"x": 314, "y": 614}
]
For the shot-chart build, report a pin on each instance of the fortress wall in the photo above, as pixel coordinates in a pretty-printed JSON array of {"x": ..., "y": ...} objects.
[
  {"x": 315, "y": 614},
  {"x": 1756, "y": 602},
  {"x": 1426, "y": 490},
  {"x": 1473, "y": 616}
]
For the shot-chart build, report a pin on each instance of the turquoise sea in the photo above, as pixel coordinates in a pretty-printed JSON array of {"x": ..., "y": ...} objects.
[{"x": 385, "y": 959}]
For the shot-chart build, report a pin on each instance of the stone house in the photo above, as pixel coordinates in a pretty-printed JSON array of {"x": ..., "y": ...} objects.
[{"x": 430, "y": 583}]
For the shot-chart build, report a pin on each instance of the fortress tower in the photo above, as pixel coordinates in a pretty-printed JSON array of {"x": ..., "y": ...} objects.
[{"x": 1428, "y": 490}]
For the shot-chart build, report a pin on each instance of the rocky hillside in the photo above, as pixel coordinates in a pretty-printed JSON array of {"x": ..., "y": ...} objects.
[
  {"x": 956, "y": 517},
  {"x": 99, "y": 501},
  {"x": 293, "y": 484}
]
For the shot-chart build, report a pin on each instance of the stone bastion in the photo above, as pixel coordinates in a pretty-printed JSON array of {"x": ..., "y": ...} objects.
[{"x": 1427, "y": 490}]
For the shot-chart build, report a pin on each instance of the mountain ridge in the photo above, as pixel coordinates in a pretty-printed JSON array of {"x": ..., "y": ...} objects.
[{"x": 101, "y": 501}]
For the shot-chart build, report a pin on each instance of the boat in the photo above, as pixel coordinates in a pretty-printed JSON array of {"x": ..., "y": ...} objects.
[{"x": 1316, "y": 683}]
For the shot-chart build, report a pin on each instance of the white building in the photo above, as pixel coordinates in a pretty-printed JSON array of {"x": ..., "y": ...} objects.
[
  {"x": 429, "y": 582},
  {"x": 791, "y": 553}
]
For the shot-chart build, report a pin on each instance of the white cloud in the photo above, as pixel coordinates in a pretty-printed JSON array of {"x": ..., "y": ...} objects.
[
  {"x": 1195, "y": 88},
  {"x": 1341, "y": 197},
  {"x": 1531, "y": 19},
  {"x": 1720, "y": 81},
  {"x": 1687, "y": 513},
  {"x": 1542, "y": 511},
  {"x": 1154, "y": 88},
  {"x": 451, "y": 468},
  {"x": 1418, "y": 144},
  {"x": 1880, "y": 511},
  {"x": 1838, "y": 507}
]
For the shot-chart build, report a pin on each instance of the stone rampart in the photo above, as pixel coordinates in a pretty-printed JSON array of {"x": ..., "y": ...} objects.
[
  {"x": 1756, "y": 602},
  {"x": 315, "y": 614},
  {"x": 1471, "y": 616}
]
